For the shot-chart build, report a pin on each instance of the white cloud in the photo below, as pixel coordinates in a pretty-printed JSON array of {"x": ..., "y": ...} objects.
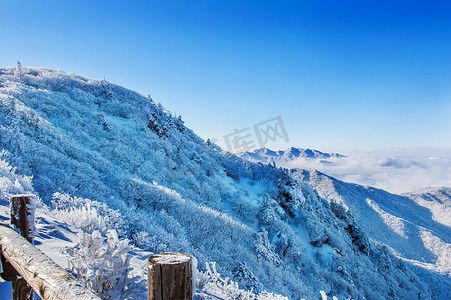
[{"x": 397, "y": 170}]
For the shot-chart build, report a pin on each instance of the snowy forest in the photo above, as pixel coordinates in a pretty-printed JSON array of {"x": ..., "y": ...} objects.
[{"x": 128, "y": 176}]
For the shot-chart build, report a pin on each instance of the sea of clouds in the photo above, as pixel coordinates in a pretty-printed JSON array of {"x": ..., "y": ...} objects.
[{"x": 397, "y": 170}]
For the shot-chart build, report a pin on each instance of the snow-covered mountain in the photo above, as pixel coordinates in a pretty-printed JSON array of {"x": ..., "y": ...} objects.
[
  {"x": 266, "y": 156},
  {"x": 416, "y": 226},
  {"x": 104, "y": 158}
]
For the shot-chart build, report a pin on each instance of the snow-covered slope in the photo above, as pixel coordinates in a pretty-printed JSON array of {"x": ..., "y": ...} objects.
[
  {"x": 153, "y": 181},
  {"x": 416, "y": 226},
  {"x": 66, "y": 234},
  {"x": 284, "y": 157},
  {"x": 437, "y": 200}
]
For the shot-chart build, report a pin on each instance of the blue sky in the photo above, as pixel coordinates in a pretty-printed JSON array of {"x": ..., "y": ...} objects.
[{"x": 342, "y": 74}]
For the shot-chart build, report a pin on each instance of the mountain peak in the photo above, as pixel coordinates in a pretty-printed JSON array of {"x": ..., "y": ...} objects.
[{"x": 265, "y": 155}]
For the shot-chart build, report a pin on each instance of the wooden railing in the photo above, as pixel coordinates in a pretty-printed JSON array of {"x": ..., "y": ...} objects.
[
  {"x": 28, "y": 269},
  {"x": 38, "y": 272}
]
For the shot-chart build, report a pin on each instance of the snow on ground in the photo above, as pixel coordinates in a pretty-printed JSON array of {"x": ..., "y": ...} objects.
[
  {"x": 437, "y": 201},
  {"x": 395, "y": 223}
]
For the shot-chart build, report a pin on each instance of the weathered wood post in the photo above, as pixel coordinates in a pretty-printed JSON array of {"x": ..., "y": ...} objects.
[
  {"x": 22, "y": 216},
  {"x": 170, "y": 276},
  {"x": 22, "y": 219}
]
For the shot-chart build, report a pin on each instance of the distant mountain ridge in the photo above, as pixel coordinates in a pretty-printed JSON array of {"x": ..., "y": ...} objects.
[{"x": 265, "y": 155}]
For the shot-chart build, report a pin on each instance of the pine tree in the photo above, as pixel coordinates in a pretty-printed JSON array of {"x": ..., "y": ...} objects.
[
  {"x": 267, "y": 213},
  {"x": 106, "y": 91}
]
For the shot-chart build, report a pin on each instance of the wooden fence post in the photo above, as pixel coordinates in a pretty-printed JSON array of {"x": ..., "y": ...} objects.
[
  {"x": 22, "y": 219},
  {"x": 22, "y": 216},
  {"x": 170, "y": 276}
]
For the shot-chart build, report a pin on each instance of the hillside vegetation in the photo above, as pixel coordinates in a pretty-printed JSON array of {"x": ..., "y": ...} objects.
[{"x": 156, "y": 183}]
